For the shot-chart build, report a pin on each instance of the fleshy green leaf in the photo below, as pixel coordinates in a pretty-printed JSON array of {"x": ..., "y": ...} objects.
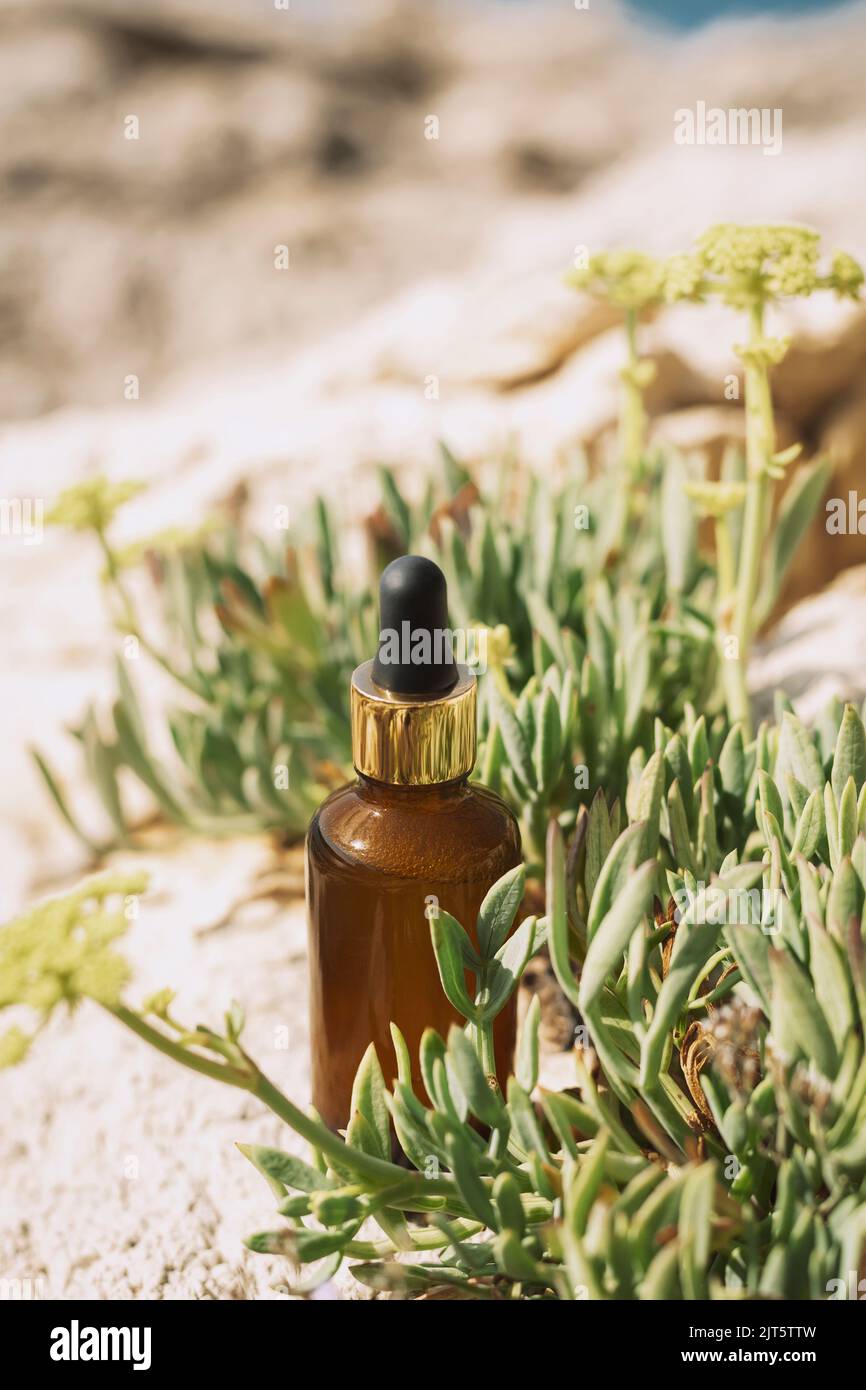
[
  {"x": 832, "y": 985},
  {"x": 285, "y": 1170},
  {"x": 849, "y": 759},
  {"x": 696, "y": 936},
  {"x": 499, "y": 909},
  {"x": 625, "y": 855},
  {"x": 448, "y": 945},
  {"x": 506, "y": 1195},
  {"x": 468, "y": 1179},
  {"x": 797, "y": 1019},
  {"x": 610, "y": 941},
  {"x": 599, "y": 838},
  {"x": 517, "y": 745},
  {"x": 844, "y": 900},
  {"x": 509, "y": 963},
  {"x": 847, "y": 819},
  {"x": 732, "y": 764},
  {"x": 797, "y": 754},
  {"x": 679, "y": 526},
  {"x": 547, "y": 755},
  {"x": 368, "y": 1100},
  {"x": 526, "y": 1063},
  {"x": 679, "y": 829},
  {"x": 483, "y": 1101},
  {"x": 831, "y": 824},
  {"x": 558, "y": 938},
  {"x": 648, "y": 802},
  {"x": 699, "y": 748},
  {"x": 770, "y": 799},
  {"x": 810, "y": 826},
  {"x": 696, "y": 1211}
]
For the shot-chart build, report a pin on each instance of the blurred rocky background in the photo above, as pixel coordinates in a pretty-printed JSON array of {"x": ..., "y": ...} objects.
[
  {"x": 148, "y": 330},
  {"x": 282, "y": 277}
]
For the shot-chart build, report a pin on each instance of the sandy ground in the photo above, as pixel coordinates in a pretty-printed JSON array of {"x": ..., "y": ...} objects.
[{"x": 121, "y": 1178}]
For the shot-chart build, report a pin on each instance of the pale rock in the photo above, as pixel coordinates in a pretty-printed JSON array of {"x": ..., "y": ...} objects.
[
  {"x": 47, "y": 68},
  {"x": 818, "y": 649},
  {"x": 502, "y": 334},
  {"x": 842, "y": 439},
  {"x": 698, "y": 186},
  {"x": 704, "y": 338},
  {"x": 826, "y": 358},
  {"x": 813, "y": 77}
]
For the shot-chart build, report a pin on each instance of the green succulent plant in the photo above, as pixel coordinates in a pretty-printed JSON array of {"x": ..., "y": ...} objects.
[
  {"x": 262, "y": 645},
  {"x": 260, "y": 656},
  {"x": 712, "y": 1145}
]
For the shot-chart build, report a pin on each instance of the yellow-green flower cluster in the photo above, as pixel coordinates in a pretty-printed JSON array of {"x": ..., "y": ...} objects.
[
  {"x": 753, "y": 265},
  {"x": 92, "y": 504},
  {"x": 626, "y": 279},
  {"x": 846, "y": 276},
  {"x": 763, "y": 262},
  {"x": 684, "y": 277},
  {"x": 632, "y": 280},
  {"x": 14, "y": 1046},
  {"x": 745, "y": 265},
  {"x": 61, "y": 951}
]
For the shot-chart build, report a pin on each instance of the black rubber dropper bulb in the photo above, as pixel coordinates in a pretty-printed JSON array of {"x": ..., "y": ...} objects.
[{"x": 415, "y": 655}]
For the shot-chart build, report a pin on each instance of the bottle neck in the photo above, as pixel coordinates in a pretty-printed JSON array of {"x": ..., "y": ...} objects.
[{"x": 395, "y": 795}]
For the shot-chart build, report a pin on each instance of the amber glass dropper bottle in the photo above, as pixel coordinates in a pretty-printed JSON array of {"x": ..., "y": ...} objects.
[{"x": 409, "y": 835}]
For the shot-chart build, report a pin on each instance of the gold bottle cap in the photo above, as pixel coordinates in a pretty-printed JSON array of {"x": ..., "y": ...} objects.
[{"x": 413, "y": 741}]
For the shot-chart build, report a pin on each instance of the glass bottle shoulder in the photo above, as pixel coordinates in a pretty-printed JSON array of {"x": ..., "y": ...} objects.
[{"x": 445, "y": 832}]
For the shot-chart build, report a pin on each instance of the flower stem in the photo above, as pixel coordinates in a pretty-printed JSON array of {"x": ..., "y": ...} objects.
[
  {"x": 633, "y": 418},
  {"x": 733, "y": 670},
  {"x": 376, "y": 1171},
  {"x": 487, "y": 1054},
  {"x": 726, "y": 563},
  {"x": 128, "y": 623},
  {"x": 760, "y": 444},
  {"x": 219, "y": 1071}
]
